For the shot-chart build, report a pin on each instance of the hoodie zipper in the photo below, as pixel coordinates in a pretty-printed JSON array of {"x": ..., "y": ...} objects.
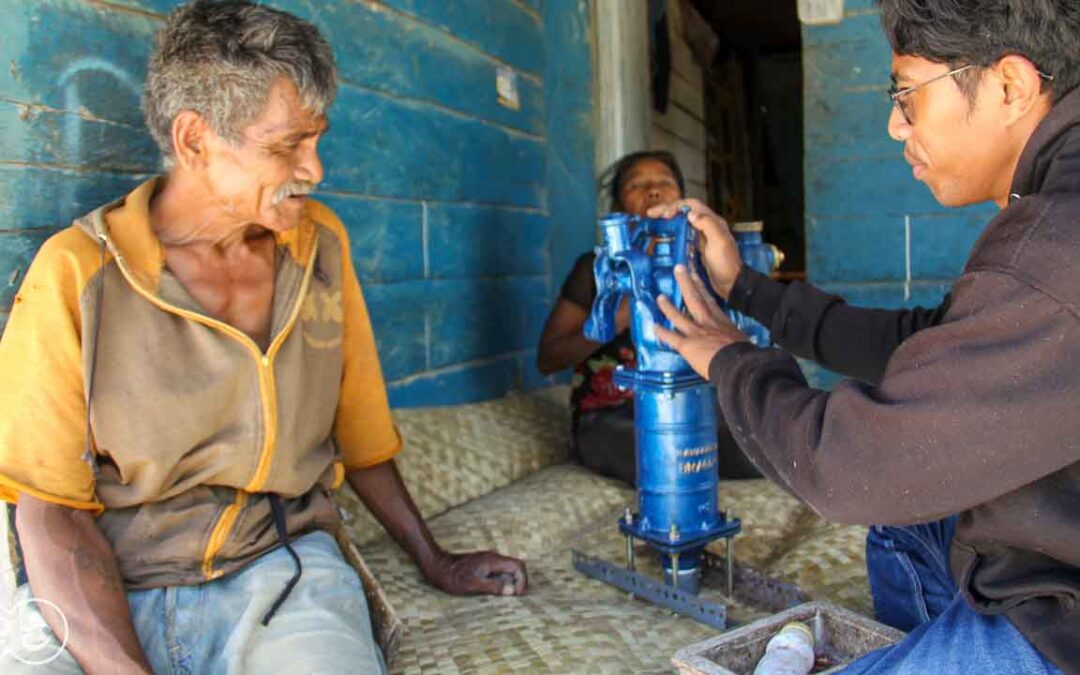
[{"x": 267, "y": 391}]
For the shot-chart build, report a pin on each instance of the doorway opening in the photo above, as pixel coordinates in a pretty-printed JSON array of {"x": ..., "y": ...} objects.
[{"x": 727, "y": 101}]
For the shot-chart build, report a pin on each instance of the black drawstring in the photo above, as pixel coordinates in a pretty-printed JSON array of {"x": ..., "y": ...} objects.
[{"x": 283, "y": 535}]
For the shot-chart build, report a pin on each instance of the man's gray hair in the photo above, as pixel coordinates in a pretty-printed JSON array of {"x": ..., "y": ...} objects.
[{"x": 219, "y": 59}]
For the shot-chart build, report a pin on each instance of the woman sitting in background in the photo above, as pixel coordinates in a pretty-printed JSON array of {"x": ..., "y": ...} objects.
[{"x": 603, "y": 416}]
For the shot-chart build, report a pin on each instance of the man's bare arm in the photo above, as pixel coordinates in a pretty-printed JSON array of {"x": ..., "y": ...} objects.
[
  {"x": 71, "y": 564},
  {"x": 384, "y": 493}
]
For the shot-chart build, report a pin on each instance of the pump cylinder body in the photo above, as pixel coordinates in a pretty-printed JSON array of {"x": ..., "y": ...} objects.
[
  {"x": 676, "y": 458},
  {"x": 675, "y": 429}
]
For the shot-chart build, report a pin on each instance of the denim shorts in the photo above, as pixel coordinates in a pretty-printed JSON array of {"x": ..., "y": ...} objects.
[{"x": 322, "y": 627}]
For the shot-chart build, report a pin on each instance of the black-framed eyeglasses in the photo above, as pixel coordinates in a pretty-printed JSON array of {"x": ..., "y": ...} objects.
[{"x": 897, "y": 95}]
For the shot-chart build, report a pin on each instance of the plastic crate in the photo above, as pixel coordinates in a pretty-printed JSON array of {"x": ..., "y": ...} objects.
[{"x": 842, "y": 636}]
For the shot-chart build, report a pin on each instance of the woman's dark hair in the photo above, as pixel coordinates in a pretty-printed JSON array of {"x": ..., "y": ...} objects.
[
  {"x": 614, "y": 177},
  {"x": 980, "y": 32}
]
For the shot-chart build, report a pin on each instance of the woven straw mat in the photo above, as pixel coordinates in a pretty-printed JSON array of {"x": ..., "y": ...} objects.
[{"x": 494, "y": 475}]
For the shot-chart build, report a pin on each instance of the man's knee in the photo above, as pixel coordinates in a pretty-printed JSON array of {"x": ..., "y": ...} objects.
[
  {"x": 927, "y": 544},
  {"x": 908, "y": 571}
]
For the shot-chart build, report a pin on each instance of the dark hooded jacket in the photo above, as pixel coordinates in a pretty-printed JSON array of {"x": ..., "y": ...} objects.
[{"x": 970, "y": 408}]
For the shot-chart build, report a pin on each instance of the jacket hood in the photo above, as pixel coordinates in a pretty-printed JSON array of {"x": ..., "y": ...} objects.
[{"x": 1048, "y": 151}]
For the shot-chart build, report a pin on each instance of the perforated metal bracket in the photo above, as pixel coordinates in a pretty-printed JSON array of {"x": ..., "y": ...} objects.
[{"x": 709, "y": 613}]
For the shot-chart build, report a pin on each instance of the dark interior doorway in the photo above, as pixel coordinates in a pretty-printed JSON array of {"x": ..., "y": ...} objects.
[{"x": 754, "y": 120}]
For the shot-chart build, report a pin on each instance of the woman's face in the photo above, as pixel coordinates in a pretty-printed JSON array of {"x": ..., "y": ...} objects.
[{"x": 648, "y": 182}]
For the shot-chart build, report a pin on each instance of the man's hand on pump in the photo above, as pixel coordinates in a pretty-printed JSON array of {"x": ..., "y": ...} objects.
[
  {"x": 703, "y": 330},
  {"x": 717, "y": 246}
]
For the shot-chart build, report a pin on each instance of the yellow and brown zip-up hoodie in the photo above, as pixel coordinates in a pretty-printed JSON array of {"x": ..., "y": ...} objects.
[{"x": 192, "y": 424}]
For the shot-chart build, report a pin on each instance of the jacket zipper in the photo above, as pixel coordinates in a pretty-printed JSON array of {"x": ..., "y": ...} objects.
[{"x": 267, "y": 391}]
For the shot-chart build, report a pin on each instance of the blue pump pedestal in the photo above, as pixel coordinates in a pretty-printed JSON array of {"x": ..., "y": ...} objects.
[
  {"x": 675, "y": 433},
  {"x": 674, "y": 409}
]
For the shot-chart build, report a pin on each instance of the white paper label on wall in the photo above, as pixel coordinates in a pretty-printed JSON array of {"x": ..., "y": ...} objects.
[
  {"x": 506, "y": 87},
  {"x": 817, "y": 12}
]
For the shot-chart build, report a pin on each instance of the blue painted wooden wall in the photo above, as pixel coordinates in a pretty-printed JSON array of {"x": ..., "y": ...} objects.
[
  {"x": 464, "y": 215},
  {"x": 874, "y": 235}
]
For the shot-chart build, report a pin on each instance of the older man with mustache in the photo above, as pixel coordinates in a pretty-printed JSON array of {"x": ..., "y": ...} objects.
[{"x": 189, "y": 372}]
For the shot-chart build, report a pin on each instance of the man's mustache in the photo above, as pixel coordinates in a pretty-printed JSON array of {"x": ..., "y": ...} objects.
[{"x": 291, "y": 189}]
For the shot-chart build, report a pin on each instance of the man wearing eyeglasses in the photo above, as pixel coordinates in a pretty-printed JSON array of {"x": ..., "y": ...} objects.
[{"x": 969, "y": 408}]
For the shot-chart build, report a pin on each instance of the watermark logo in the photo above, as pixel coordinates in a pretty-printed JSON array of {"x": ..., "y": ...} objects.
[{"x": 25, "y": 635}]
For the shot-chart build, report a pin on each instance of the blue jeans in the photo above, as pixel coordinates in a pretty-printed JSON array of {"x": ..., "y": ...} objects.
[
  {"x": 322, "y": 627},
  {"x": 914, "y": 591}
]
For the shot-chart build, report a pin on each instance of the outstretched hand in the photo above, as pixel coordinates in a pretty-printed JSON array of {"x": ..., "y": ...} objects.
[
  {"x": 481, "y": 573},
  {"x": 703, "y": 330}
]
